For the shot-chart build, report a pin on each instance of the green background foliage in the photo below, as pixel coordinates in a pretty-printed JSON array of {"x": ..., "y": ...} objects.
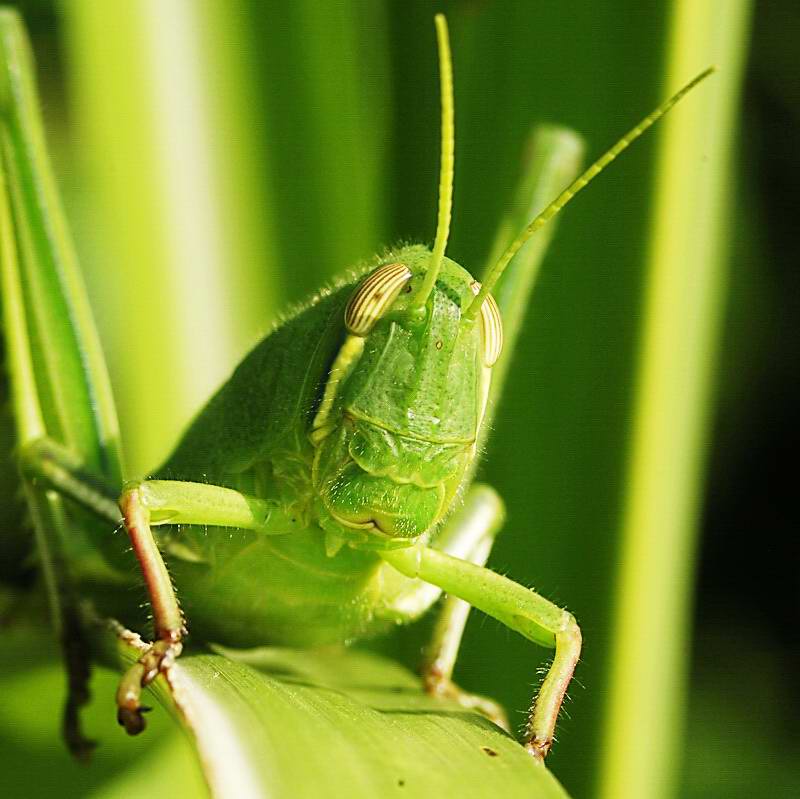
[{"x": 222, "y": 159}]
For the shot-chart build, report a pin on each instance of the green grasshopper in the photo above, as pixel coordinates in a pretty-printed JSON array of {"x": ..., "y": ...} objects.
[{"x": 340, "y": 454}]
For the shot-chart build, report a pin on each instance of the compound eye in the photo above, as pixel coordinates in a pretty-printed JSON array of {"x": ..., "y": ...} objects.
[
  {"x": 491, "y": 327},
  {"x": 373, "y": 297}
]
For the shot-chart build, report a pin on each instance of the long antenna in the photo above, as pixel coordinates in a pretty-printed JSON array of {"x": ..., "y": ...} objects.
[
  {"x": 595, "y": 169},
  {"x": 446, "y": 164}
]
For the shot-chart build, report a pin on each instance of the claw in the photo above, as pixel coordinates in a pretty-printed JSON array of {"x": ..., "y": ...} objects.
[
  {"x": 132, "y": 720},
  {"x": 156, "y": 660}
]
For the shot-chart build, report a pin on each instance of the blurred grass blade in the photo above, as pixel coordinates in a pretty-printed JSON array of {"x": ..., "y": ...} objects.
[
  {"x": 324, "y": 70},
  {"x": 552, "y": 159},
  {"x": 180, "y": 222},
  {"x": 685, "y": 289},
  {"x": 280, "y": 723}
]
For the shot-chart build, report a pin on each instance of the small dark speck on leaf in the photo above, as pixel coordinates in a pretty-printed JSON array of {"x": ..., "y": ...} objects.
[
  {"x": 489, "y": 751},
  {"x": 439, "y": 345},
  {"x": 401, "y": 783}
]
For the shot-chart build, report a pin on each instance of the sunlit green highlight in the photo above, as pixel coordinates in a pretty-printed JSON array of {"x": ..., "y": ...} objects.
[{"x": 179, "y": 227}]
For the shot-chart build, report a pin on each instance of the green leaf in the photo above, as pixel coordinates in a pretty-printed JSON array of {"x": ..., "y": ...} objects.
[{"x": 284, "y": 723}]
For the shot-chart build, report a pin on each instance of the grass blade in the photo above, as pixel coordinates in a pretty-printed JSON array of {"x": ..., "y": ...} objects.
[
  {"x": 59, "y": 385},
  {"x": 685, "y": 289},
  {"x": 552, "y": 159}
]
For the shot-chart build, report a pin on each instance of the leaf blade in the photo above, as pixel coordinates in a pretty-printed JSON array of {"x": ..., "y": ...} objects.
[{"x": 281, "y": 723}]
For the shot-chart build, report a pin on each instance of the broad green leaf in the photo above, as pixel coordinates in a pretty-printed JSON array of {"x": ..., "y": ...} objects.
[{"x": 286, "y": 723}]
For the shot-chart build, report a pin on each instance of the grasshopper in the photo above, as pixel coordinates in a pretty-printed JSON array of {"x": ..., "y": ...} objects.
[{"x": 340, "y": 453}]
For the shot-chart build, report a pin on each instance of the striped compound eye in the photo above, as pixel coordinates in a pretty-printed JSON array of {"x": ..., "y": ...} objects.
[
  {"x": 491, "y": 327},
  {"x": 373, "y": 298}
]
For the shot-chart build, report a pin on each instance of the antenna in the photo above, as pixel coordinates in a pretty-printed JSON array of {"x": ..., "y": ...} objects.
[
  {"x": 446, "y": 164},
  {"x": 579, "y": 183}
]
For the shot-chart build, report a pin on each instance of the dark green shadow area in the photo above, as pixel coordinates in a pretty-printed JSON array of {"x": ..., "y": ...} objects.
[{"x": 35, "y": 762}]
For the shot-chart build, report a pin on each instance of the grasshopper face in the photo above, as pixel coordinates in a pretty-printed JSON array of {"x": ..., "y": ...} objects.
[{"x": 397, "y": 437}]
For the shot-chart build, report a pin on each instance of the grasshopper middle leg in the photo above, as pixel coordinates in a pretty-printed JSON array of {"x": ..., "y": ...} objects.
[
  {"x": 517, "y": 607},
  {"x": 469, "y": 534}
]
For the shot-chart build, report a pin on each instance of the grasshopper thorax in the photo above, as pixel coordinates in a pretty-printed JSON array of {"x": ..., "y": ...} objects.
[{"x": 396, "y": 429}]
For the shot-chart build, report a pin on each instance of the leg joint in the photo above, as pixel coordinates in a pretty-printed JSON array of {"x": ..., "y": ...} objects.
[{"x": 569, "y": 628}]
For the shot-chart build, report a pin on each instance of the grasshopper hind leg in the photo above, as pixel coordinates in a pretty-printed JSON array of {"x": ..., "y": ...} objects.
[
  {"x": 48, "y": 515},
  {"x": 75, "y": 648}
]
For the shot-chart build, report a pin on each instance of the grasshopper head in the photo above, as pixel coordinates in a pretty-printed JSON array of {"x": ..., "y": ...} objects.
[
  {"x": 421, "y": 370},
  {"x": 397, "y": 427}
]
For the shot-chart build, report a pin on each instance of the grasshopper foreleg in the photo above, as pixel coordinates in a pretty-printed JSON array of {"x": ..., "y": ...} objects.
[
  {"x": 520, "y": 609},
  {"x": 47, "y": 461},
  {"x": 167, "y": 616},
  {"x": 149, "y": 503}
]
